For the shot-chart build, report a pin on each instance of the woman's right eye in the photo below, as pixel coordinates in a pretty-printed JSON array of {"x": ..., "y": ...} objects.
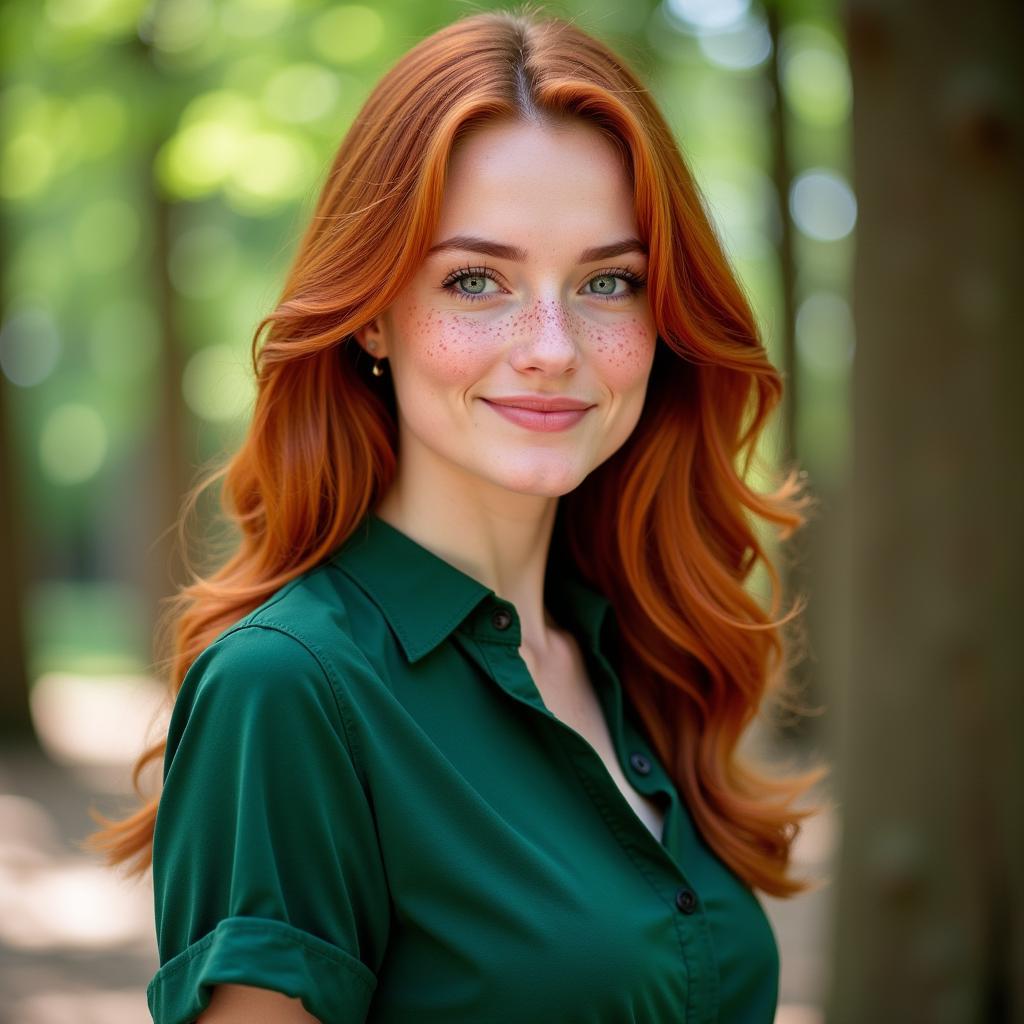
[{"x": 469, "y": 284}]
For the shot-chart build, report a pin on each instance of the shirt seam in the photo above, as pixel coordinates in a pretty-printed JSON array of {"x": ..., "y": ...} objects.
[
  {"x": 277, "y": 596},
  {"x": 347, "y": 727},
  {"x": 310, "y": 648}
]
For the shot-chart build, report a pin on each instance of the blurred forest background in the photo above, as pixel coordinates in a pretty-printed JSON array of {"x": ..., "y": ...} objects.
[{"x": 159, "y": 160}]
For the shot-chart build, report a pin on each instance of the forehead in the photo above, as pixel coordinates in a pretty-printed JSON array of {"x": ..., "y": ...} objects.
[{"x": 524, "y": 177}]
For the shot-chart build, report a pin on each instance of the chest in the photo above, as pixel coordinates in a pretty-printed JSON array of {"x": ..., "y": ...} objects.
[{"x": 569, "y": 695}]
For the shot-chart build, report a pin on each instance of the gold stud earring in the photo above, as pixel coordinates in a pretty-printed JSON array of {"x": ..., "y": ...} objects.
[{"x": 377, "y": 370}]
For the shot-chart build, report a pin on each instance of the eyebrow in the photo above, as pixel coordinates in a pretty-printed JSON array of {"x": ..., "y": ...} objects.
[{"x": 470, "y": 243}]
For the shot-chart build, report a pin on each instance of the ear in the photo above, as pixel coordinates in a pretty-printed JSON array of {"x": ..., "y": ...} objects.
[{"x": 371, "y": 337}]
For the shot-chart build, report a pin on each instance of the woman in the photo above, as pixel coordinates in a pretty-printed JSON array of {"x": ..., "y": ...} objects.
[{"x": 455, "y": 729}]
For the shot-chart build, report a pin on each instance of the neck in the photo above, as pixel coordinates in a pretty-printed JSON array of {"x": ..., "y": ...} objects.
[{"x": 499, "y": 537}]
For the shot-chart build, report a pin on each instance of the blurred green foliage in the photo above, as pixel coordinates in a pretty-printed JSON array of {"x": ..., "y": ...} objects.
[{"x": 164, "y": 156}]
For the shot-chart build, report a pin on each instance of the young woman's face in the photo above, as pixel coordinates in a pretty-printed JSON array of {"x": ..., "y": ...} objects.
[{"x": 516, "y": 299}]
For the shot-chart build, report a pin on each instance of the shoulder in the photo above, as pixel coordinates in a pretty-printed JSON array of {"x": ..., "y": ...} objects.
[
  {"x": 260, "y": 660},
  {"x": 313, "y": 609},
  {"x": 303, "y": 630},
  {"x": 255, "y": 698},
  {"x": 297, "y": 660},
  {"x": 292, "y": 655},
  {"x": 254, "y": 678}
]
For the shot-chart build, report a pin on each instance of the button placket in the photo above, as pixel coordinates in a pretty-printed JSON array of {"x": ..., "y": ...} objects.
[
  {"x": 662, "y": 870},
  {"x": 498, "y": 655}
]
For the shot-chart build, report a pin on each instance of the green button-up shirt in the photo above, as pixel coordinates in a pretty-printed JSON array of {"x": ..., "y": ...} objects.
[{"x": 367, "y": 805}]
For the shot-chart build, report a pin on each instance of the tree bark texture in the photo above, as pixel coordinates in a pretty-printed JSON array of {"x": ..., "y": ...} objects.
[{"x": 930, "y": 753}]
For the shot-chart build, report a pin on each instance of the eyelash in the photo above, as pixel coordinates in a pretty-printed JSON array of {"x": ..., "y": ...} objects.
[{"x": 636, "y": 282}]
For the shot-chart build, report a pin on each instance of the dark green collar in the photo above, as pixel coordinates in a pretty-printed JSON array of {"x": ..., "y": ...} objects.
[{"x": 425, "y": 598}]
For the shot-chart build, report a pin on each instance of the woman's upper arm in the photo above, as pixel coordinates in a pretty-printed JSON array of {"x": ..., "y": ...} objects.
[
  {"x": 267, "y": 870},
  {"x": 245, "y": 1004}
]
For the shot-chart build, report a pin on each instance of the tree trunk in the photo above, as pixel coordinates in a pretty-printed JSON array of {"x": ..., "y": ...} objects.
[
  {"x": 15, "y": 718},
  {"x": 931, "y": 762}
]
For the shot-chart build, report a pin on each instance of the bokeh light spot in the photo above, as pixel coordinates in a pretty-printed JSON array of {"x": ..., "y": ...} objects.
[
  {"x": 74, "y": 13},
  {"x": 28, "y": 162},
  {"x": 249, "y": 19},
  {"x": 697, "y": 15},
  {"x": 110, "y": 18},
  {"x": 746, "y": 45},
  {"x": 200, "y": 156},
  {"x": 217, "y": 384},
  {"x": 272, "y": 169},
  {"x": 816, "y": 83},
  {"x": 73, "y": 443},
  {"x": 182, "y": 25},
  {"x": 301, "y": 93},
  {"x": 347, "y": 33},
  {"x": 823, "y": 205},
  {"x": 29, "y": 345}
]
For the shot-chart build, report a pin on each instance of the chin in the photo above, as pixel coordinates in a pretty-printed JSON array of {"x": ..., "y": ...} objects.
[{"x": 547, "y": 482}]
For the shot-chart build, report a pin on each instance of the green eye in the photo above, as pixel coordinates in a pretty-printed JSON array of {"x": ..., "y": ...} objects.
[
  {"x": 604, "y": 284},
  {"x": 468, "y": 284},
  {"x": 474, "y": 284}
]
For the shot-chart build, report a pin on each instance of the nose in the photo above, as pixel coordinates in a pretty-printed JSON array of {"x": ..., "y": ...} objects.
[{"x": 549, "y": 340}]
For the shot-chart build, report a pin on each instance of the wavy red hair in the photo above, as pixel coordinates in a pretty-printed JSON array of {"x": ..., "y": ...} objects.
[{"x": 664, "y": 527}]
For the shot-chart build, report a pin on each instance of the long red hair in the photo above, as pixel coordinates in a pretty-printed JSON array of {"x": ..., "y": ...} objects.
[{"x": 665, "y": 527}]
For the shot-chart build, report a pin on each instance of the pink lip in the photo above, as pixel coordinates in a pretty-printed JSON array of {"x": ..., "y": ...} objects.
[
  {"x": 540, "y": 402},
  {"x": 538, "y": 419}
]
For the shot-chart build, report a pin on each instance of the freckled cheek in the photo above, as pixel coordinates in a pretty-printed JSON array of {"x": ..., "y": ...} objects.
[
  {"x": 448, "y": 352},
  {"x": 623, "y": 352}
]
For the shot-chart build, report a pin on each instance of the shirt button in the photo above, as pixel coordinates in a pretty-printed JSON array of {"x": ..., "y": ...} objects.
[
  {"x": 686, "y": 901},
  {"x": 640, "y": 764},
  {"x": 501, "y": 619}
]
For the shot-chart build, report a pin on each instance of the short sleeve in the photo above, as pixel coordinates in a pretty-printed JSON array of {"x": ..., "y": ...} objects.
[{"x": 266, "y": 864}]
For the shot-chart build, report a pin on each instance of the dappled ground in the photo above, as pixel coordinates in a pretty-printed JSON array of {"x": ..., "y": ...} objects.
[
  {"x": 77, "y": 943},
  {"x": 76, "y": 939}
]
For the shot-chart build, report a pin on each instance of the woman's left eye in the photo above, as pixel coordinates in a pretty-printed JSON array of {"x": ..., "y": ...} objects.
[
  {"x": 604, "y": 284},
  {"x": 470, "y": 284}
]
